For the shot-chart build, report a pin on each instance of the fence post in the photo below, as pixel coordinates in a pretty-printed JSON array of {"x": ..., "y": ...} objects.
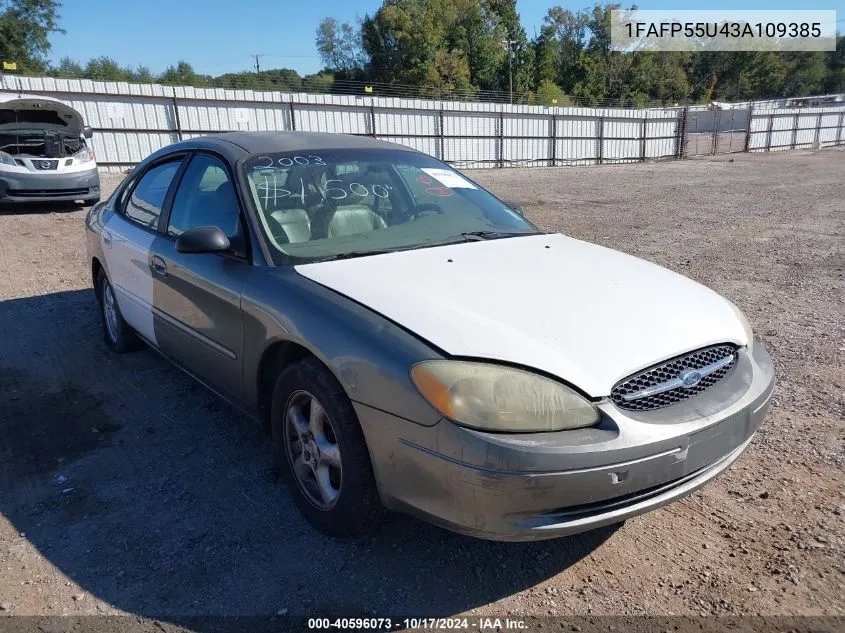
[
  {"x": 643, "y": 128},
  {"x": 440, "y": 133},
  {"x": 600, "y": 140},
  {"x": 794, "y": 130},
  {"x": 748, "y": 127},
  {"x": 714, "y": 147},
  {"x": 839, "y": 131},
  {"x": 176, "y": 116},
  {"x": 681, "y": 140},
  {"x": 372, "y": 120},
  {"x": 816, "y": 143},
  {"x": 769, "y": 133},
  {"x": 502, "y": 137},
  {"x": 292, "y": 117},
  {"x": 553, "y": 139}
]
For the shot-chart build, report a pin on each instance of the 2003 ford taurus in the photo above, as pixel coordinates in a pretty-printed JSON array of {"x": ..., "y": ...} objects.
[{"x": 413, "y": 344}]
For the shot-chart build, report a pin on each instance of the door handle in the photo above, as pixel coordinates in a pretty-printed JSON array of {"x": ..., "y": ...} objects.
[{"x": 157, "y": 266}]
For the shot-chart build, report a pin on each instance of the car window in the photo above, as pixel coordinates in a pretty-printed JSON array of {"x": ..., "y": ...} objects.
[
  {"x": 205, "y": 197},
  {"x": 147, "y": 198},
  {"x": 357, "y": 201}
]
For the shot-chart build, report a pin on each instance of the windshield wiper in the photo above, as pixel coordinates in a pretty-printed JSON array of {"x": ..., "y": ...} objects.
[
  {"x": 353, "y": 254},
  {"x": 492, "y": 235}
]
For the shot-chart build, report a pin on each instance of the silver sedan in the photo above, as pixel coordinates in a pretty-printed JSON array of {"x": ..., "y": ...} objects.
[{"x": 412, "y": 343}]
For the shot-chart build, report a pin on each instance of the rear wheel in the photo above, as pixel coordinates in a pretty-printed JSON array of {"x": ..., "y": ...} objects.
[
  {"x": 324, "y": 456},
  {"x": 118, "y": 336}
]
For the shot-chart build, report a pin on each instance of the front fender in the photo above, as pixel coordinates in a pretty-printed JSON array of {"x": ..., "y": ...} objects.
[{"x": 369, "y": 355}]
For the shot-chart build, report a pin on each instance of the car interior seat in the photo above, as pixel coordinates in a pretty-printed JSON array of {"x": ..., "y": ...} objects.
[
  {"x": 354, "y": 219},
  {"x": 353, "y": 215},
  {"x": 287, "y": 224}
]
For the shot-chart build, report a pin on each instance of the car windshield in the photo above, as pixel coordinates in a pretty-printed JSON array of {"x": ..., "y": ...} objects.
[{"x": 354, "y": 202}]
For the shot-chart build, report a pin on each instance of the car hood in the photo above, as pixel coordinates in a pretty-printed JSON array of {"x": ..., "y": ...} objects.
[
  {"x": 28, "y": 112},
  {"x": 587, "y": 314}
]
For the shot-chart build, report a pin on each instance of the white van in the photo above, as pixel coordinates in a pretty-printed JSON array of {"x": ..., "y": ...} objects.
[{"x": 45, "y": 154}]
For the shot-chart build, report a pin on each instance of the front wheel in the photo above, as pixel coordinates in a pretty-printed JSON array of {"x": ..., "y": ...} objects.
[{"x": 324, "y": 456}]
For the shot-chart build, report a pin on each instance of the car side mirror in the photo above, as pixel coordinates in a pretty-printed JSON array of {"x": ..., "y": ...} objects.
[
  {"x": 203, "y": 239},
  {"x": 513, "y": 206},
  {"x": 87, "y": 132}
]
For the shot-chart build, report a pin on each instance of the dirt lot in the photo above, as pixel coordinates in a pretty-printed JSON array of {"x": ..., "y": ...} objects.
[{"x": 128, "y": 488}]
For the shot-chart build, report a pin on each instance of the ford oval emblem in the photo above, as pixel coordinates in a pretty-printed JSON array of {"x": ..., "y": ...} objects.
[{"x": 689, "y": 378}]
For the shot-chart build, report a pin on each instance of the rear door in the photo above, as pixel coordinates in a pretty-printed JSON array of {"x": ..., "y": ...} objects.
[
  {"x": 198, "y": 295},
  {"x": 127, "y": 241}
]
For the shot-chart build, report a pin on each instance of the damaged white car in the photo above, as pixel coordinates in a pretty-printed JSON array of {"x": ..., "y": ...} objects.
[{"x": 45, "y": 154}]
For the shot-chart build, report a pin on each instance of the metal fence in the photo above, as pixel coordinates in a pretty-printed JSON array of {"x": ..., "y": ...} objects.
[{"x": 132, "y": 120}]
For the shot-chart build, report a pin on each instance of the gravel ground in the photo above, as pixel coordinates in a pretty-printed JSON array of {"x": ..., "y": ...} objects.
[{"x": 128, "y": 488}]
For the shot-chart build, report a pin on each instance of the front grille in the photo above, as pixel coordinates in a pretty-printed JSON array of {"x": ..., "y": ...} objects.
[
  {"x": 669, "y": 370},
  {"x": 45, "y": 164}
]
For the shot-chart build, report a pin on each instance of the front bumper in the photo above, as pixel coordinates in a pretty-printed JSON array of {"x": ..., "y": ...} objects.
[
  {"x": 49, "y": 187},
  {"x": 517, "y": 487}
]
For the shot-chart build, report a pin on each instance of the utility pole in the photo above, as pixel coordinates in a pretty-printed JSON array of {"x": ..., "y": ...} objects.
[
  {"x": 509, "y": 45},
  {"x": 257, "y": 56}
]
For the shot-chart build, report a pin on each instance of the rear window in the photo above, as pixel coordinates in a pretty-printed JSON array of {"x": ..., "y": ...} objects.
[{"x": 147, "y": 198}]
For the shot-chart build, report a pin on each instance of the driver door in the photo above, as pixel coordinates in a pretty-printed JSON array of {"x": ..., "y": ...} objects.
[{"x": 197, "y": 296}]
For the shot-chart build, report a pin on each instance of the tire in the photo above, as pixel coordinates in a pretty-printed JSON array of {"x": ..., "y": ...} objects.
[
  {"x": 356, "y": 508},
  {"x": 118, "y": 337}
]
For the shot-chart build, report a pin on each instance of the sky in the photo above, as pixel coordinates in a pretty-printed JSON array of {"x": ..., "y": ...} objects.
[{"x": 219, "y": 36}]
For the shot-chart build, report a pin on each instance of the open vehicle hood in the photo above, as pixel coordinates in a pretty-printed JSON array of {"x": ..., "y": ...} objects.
[
  {"x": 582, "y": 312},
  {"x": 30, "y": 111}
]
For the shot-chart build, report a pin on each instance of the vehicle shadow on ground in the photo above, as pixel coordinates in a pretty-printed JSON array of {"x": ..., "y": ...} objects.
[
  {"x": 155, "y": 496},
  {"x": 41, "y": 208}
]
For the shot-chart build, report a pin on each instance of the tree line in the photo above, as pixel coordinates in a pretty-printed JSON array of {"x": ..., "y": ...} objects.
[
  {"x": 470, "y": 48},
  {"x": 482, "y": 45}
]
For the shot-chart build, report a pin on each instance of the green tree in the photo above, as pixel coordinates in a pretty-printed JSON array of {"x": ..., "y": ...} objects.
[
  {"x": 320, "y": 82},
  {"x": 25, "y": 29},
  {"x": 143, "y": 75},
  {"x": 835, "y": 81},
  {"x": 545, "y": 56},
  {"x": 806, "y": 72},
  {"x": 549, "y": 93},
  {"x": 406, "y": 40},
  {"x": 566, "y": 31},
  {"x": 182, "y": 74},
  {"x": 68, "y": 69},
  {"x": 503, "y": 13},
  {"x": 340, "y": 45},
  {"x": 106, "y": 69}
]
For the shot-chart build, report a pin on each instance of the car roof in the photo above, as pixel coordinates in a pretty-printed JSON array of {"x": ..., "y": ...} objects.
[{"x": 270, "y": 142}]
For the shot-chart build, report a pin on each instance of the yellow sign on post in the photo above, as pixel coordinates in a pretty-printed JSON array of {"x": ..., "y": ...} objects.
[
  {"x": 10, "y": 65},
  {"x": 368, "y": 88}
]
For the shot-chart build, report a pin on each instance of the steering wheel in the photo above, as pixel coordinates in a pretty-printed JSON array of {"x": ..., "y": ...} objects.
[{"x": 425, "y": 209}]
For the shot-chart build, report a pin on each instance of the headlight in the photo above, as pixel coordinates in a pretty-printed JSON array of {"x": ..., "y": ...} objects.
[
  {"x": 496, "y": 398},
  {"x": 6, "y": 159},
  {"x": 84, "y": 155},
  {"x": 745, "y": 324}
]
